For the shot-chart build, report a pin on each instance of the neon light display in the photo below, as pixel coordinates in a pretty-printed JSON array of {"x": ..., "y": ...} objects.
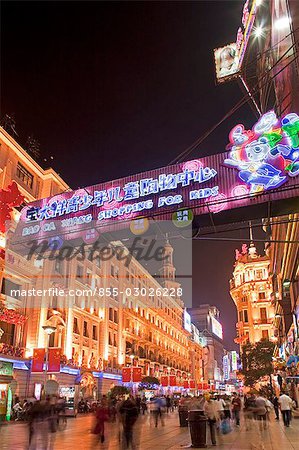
[
  {"x": 234, "y": 360},
  {"x": 256, "y": 161},
  {"x": 133, "y": 190},
  {"x": 267, "y": 155}
]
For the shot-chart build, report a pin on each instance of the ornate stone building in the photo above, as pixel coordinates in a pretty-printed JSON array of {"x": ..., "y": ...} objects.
[
  {"x": 98, "y": 331},
  {"x": 250, "y": 289}
]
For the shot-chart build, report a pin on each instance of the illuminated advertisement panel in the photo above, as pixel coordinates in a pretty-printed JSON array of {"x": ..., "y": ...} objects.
[
  {"x": 216, "y": 327},
  {"x": 226, "y": 62},
  {"x": 234, "y": 360},
  {"x": 258, "y": 165},
  {"x": 187, "y": 321},
  {"x": 229, "y": 58}
]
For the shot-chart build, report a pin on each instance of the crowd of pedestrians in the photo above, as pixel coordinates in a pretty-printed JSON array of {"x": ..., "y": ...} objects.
[{"x": 223, "y": 413}]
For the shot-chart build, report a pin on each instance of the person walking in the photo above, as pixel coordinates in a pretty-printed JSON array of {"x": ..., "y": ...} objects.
[
  {"x": 102, "y": 415},
  {"x": 249, "y": 410},
  {"x": 129, "y": 414},
  {"x": 210, "y": 409},
  {"x": 226, "y": 408},
  {"x": 220, "y": 404},
  {"x": 261, "y": 411},
  {"x": 276, "y": 407},
  {"x": 236, "y": 408},
  {"x": 285, "y": 403}
]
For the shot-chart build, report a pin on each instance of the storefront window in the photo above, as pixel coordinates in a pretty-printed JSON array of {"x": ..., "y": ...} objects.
[{"x": 8, "y": 335}]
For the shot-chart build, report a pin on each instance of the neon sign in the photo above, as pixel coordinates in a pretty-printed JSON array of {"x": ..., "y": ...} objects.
[
  {"x": 114, "y": 200},
  {"x": 248, "y": 19},
  {"x": 267, "y": 155},
  {"x": 264, "y": 159}
]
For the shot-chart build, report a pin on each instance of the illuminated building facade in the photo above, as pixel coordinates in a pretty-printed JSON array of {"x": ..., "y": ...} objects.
[
  {"x": 250, "y": 289},
  {"x": 284, "y": 266},
  {"x": 100, "y": 334},
  {"x": 206, "y": 318}
]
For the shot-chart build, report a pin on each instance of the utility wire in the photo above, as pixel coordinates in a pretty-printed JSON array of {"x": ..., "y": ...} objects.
[{"x": 240, "y": 103}]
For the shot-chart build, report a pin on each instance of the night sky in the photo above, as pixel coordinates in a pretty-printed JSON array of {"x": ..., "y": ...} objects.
[{"x": 112, "y": 89}]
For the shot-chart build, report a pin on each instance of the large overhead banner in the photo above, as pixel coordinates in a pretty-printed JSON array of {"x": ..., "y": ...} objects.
[{"x": 258, "y": 163}]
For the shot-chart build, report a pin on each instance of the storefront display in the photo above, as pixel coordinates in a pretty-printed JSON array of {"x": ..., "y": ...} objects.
[
  {"x": 70, "y": 395},
  {"x": 6, "y": 372}
]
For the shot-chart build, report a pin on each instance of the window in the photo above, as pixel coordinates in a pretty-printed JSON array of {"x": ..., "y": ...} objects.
[
  {"x": 111, "y": 314},
  {"x": 75, "y": 326},
  {"x": 85, "y": 330},
  {"x": 262, "y": 295},
  {"x": 263, "y": 315},
  {"x": 245, "y": 314},
  {"x": 9, "y": 288},
  {"x": 94, "y": 332},
  {"x": 58, "y": 266},
  {"x": 259, "y": 274},
  {"x": 265, "y": 334},
  {"x": 54, "y": 302},
  {"x": 244, "y": 299},
  {"x": 115, "y": 316},
  {"x": 24, "y": 175},
  {"x": 115, "y": 340},
  {"x": 110, "y": 338},
  {"x": 8, "y": 332},
  {"x": 79, "y": 271}
]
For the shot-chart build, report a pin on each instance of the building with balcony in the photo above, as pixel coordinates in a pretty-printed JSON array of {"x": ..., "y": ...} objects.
[
  {"x": 98, "y": 331},
  {"x": 250, "y": 289}
]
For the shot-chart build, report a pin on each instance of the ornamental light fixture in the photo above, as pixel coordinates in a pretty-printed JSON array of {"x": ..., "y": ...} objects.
[{"x": 49, "y": 329}]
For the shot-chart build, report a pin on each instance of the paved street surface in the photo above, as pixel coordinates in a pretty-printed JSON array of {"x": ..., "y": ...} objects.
[{"x": 77, "y": 436}]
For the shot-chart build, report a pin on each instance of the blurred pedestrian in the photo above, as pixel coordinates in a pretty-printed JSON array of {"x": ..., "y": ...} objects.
[
  {"x": 129, "y": 414},
  {"x": 276, "y": 407},
  {"x": 102, "y": 415},
  {"x": 285, "y": 403},
  {"x": 236, "y": 408},
  {"x": 261, "y": 411},
  {"x": 226, "y": 408},
  {"x": 249, "y": 410},
  {"x": 210, "y": 409},
  {"x": 143, "y": 405}
]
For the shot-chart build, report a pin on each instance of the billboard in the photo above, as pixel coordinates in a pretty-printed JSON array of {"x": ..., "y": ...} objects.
[
  {"x": 226, "y": 367},
  {"x": 258, "y": 165},
  {"x": 226, "y": 62},
  {"x": 229, "y": 58},
  {"x": 216, "y": 328},
  {"x": 234, "y": 360},
  {"x": 187, "y": 321}
]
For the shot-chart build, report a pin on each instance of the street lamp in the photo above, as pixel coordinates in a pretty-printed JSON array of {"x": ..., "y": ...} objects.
[{"x": 48, "y": 329}]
